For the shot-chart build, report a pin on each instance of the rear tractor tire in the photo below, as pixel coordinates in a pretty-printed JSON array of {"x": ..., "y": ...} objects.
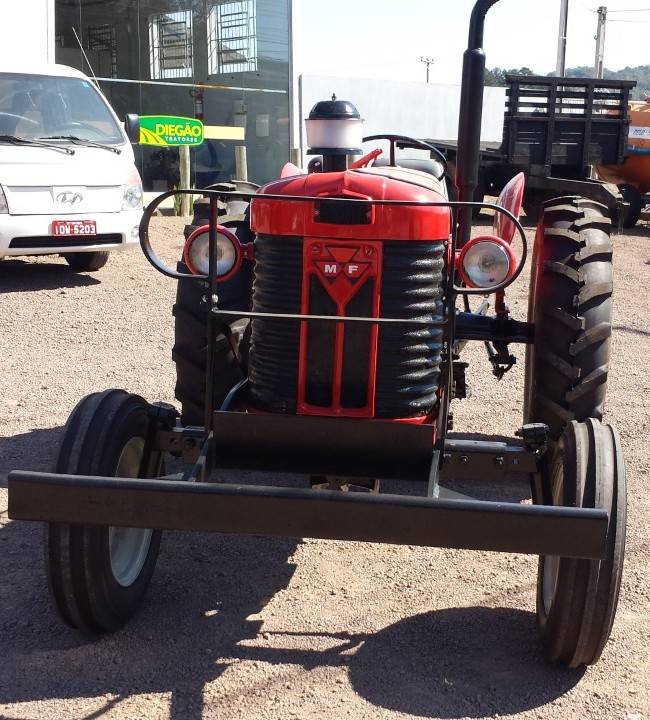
[
  {"x": 190, "y": 337},
  {"x": 99, "y": 575},
  {"x": 571, "y": 308},
  {"x": 577, "y": 598}
]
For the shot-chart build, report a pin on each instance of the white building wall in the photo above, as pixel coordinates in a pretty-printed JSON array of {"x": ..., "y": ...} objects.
[
  {"x": 26, "y": 33},
  {"x": 415, "y": 109}
]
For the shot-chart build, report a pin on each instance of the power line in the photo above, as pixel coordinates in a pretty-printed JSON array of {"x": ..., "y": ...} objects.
[{"x": 609, "y": 12}]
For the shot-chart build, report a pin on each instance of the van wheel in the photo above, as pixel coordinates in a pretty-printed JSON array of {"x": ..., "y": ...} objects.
[{"x": 86, "y": 261}]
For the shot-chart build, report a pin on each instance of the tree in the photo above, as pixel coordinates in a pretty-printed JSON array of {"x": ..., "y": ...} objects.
[{"x": 497, "y": 76}]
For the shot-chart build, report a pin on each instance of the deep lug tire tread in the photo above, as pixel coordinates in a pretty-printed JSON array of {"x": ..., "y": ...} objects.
[
  {"x": 189, "y": 352},
  {"x": 81, "y": 583},
  {"x": 570, "y": 305}
]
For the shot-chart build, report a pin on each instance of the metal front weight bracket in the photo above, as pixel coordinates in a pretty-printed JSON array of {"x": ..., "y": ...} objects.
[
  {"x": 534, "y": 435},
  {"x": 486, "y": 460}
]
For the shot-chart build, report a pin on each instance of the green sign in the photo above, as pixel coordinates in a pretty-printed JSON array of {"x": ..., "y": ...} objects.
[{"x": 169, "y": 130}]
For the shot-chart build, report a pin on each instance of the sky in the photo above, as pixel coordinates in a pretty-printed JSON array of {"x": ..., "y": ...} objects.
[{"x": 386, "y": 38}]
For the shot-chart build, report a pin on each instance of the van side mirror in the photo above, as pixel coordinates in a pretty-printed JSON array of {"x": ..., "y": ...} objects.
[{"x": 132, "y": 127}]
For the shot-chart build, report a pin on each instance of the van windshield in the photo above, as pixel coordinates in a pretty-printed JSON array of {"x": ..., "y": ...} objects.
[{"x": 38, "y": 106}]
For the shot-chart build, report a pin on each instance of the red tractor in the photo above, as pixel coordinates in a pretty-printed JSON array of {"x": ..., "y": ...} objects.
[{"x": 319, "y": 333}]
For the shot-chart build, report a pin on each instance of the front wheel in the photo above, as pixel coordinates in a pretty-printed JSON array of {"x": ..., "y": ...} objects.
[
  {"x": 577, "y": 599},
  {"x": 86, "y": 261},
  {"x": 98, "y": 575}
]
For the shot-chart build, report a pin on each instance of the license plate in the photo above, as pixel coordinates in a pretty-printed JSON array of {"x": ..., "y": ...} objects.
[{"x": 66, "y": 228}]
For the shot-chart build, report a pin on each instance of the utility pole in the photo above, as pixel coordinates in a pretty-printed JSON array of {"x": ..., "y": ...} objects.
[
  {"x": 561, "y": 39},
  {"x": 428, "y": 61},
  {"x": 600, "y": 42}
]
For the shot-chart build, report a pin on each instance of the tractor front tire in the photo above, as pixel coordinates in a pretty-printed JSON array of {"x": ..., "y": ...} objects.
[
  {"x": 571, "y": 308},
  {"x": 577, "y": 598},
  {"x": 99, "y": 575}
]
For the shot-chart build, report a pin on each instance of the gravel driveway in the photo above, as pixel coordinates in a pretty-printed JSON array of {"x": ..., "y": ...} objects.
[{"x": 237, "y": 627}]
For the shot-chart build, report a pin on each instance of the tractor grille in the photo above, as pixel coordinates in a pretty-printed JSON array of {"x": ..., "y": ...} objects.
[
  {"x": 408, "y": 359},
  {"x": 275, "y": 344},
  {"x": 408, "y": 366}
]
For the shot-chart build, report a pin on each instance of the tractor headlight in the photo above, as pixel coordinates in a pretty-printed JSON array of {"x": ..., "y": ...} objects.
[
  {"x": 197, "y": 252},
  {"x": 486, "y": 262}
]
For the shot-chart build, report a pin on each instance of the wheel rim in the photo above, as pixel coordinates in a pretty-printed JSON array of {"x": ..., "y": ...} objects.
[
  {"x": 549, "y": 580},
  {"x": 128, "y": 547}
]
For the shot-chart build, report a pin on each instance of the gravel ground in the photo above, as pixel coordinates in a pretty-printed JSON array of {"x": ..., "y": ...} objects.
[{"x": 237, "y": 627}]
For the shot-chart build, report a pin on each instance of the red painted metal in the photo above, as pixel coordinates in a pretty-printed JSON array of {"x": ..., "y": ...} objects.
[
  {"x": 342, "y": 268},
  {"x": 290, "y": 170},
  {"x": 510, "y": 198},
  {"x": 299, "y": 218},
  {"x": 343, "y": 257},
  {"x": 366, "y": 159}
]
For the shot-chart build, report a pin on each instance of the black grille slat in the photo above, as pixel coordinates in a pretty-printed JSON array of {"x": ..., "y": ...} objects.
[
  {"x": 54, "y": 241},
  {"x": 320, "y": 348},
  {"x": 408, "y": 366},
  {"x": 275, "y": 344},
  {"x": 356, "y": 349}
]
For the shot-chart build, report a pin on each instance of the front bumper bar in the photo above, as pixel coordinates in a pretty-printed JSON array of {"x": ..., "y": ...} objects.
[{"x": 264, "y": 510}]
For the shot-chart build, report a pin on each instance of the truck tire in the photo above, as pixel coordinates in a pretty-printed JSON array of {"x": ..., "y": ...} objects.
[
  {"x": 86, "y": 261},
  {"x": 99, "y": 575},
  {"x": 571, "y": 308},
  {"x": 633, "y": 196},
  {"x": 577, "y": 598}
]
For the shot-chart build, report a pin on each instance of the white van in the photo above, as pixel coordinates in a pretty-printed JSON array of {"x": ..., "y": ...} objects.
[{"x": 68, "y": 183}]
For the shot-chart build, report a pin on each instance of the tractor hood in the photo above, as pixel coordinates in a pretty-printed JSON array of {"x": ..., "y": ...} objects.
[{"x": 399, "y": 222}]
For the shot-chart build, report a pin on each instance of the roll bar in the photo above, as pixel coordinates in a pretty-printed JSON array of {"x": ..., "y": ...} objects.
[{"x": 469, "y": 120}]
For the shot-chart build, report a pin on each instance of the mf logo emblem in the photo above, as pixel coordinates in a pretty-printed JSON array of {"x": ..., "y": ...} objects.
[
  {"x": 342, "y": 268},
  {"x": 69, "y": 197},
  {"x": 342, "y": 261}
]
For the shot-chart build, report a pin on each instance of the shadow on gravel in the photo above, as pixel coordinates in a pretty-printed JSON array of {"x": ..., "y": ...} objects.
[
  {"x": 35, "y": 450},
  {"x": 204, "y": 589},
  {"x": 21, "y": 276},
  {"x": 197, "y": 610},
  {"x": 199, "y": 619},
  {"x": 459, "y": 662},
  {"x": 633, "y": 331}
]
